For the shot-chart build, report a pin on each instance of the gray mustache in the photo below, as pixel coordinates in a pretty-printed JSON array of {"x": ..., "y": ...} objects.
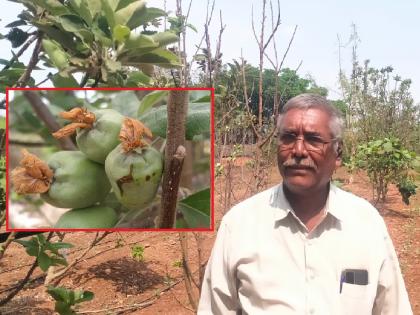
[{"x": 304, "y": 163}]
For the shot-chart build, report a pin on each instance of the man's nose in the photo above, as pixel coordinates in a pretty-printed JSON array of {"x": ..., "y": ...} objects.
[{"x": 299, "y": 148}]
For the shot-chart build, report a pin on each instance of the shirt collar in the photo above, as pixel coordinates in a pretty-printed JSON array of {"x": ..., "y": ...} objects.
[{"x": 282, "y": 208}]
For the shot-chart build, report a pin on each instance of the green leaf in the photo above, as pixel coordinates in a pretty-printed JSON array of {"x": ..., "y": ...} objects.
[
  {"x": 109, "y": 13},
  {"x": 130, "y": 12},
  {"x": 388, "y": 147},
  {"x": 74, "y": 24},
  {"x": 198, "y": 120},
  {"x": 16, "y": 23},
  {"x": 65, "y": 39},
  {"x": 60, "y": 245},
  {"x": 126, "y": 103},
  {"x": 181, "y": 223},
  {"x": 140, "y": 42},
  {"x": 165, "y": 38},
  {"x": 102, "y": 32},
  {"x": 145, "y": 17},
  {"x": 82, "y": 9},
  {"x": 56, "y": 54},
  {"x": 191, "y": 27},
  {"x": 63, "y": 309},
  {"x": 159, "y": 57},
  {"x": 44, "y": 262},
  {"x": 149, "y": 100},
  {"x": 196, "y": 209},
  {"x": 112, "y": 66},
  {"x": 31, "y": 246},
  {"x": 138, "y": 78},
  {"x": 59, "y": 293},
  {"x": 17, "y": 37},
  {"x": 53, "y": 6},
  {"x": 121, "y": 33},
  {"x": 203, "y": 99},
  {"x": 82, "y": 296},
  {"x": 63, "y": 79}
]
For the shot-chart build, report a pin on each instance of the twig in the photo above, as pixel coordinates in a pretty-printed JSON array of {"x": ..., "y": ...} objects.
[
  {"x": 201, "y": 266},
  {"x": 288, "y": 47},
  {"x": 45, "y": 115},
  {"x": 23, "y": 80},
  {"x": 27, "y": 144},
  {"x": 188, "y": 278},
  {"x": 43, "y": 81},
  {"x": 20, "y": 52},
  {"x": 57, "y": 276},
  {"x": 9, "y": 240},
  {"x": 25, "y": 280},
  {"x": 175, "y": 137},
  {"x": 2, "y": 218},
  {"x": 142, "y": 304},
  {"x": 84, "y": 80}
]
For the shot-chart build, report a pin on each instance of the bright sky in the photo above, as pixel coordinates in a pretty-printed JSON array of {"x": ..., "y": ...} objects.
[{"x": 388, "y": 31}]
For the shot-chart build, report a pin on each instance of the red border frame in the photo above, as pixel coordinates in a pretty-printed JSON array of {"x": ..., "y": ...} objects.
[{"x": 210, "y": 229}]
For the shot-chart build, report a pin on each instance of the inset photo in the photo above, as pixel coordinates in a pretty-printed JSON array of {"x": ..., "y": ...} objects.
[{"x": 109, "y": 159}]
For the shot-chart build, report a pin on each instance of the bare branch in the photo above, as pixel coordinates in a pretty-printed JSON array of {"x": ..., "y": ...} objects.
[
  {"x": 288, "y": 47},
  {"x": 57, "y": 276},
  {"x": 253, "y": 26},
  {"x": 6, "y": 244},
  {"x": 22, "y": 283},
  {"x": 188, "y": 278},
  {"x": 218, "y": 47},
  {"x": 45, "y": 115},
  {"x": 23, "y": 80},
  {"x": 21, "y": 51},
  {"x": 275, "y": 27}
]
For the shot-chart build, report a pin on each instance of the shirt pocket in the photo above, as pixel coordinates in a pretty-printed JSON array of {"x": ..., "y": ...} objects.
[{"x": 356, "y": 299}]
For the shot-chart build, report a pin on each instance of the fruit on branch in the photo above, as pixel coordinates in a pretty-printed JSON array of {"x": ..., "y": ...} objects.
[
  {"x": 97, "y": 132},
  {"x": 134, "y": 168},
  {"x": 68, "y": 180},
  {"x": 96, "y": 217}
]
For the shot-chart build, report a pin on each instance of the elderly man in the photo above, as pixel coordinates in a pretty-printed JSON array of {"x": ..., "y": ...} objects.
[{"x": 304, "y": 246}]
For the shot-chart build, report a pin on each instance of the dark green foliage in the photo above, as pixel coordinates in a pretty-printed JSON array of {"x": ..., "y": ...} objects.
[
  {"x": 17, "y": 37},
  {"x": 66, "y": 299},
  {"x": 407, "y": 188},
  {"x": 385, "y": 161},
  {"x": 46, "y": 253}
]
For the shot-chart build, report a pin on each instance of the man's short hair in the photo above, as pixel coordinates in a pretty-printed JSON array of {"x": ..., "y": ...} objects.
[{"x": 308, "y": 100}]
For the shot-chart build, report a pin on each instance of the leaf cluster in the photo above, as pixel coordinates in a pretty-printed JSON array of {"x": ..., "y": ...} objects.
[
  {"x": 66, "y": 299},
  {"x": 46, "y": 253}
]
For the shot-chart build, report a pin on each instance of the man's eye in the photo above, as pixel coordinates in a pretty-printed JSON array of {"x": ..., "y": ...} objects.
[
  {"x": 288, "y": 137},
  {"x": 314, "y": 139}
]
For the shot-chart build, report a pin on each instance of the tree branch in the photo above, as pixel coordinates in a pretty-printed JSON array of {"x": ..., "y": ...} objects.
[
  {"x": 25, "y": 280},
  {"x": 57, "y": 276},
  {"x": 45, "y": 115},
  {"x": 6, "y": 244},
  {"x": 23, "y": 80},
  {"x": 175, "y": 137},
  {"x": 20, "y": 52}
]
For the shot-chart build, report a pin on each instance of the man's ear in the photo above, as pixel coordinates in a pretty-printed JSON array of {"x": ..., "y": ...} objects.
[{"x": 339, "y": 152}]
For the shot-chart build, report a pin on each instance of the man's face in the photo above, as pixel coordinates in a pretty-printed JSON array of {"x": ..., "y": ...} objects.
[{"x": 305, "y": 167}]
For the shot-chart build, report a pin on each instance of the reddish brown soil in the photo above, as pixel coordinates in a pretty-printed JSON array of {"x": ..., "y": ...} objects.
[{"x": 118, "y": 280}]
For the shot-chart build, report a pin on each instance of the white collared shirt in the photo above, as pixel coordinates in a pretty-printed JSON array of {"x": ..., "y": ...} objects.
[{"x": 265, "y": 262}]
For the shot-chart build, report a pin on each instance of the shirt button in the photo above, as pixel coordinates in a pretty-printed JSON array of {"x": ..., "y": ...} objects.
[
  {"x": 312, "y": 311},
  {"x": 312, "y": 276}
]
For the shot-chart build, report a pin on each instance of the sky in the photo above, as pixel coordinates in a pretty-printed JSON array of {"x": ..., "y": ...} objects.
[{"x": 388, "y": 32}]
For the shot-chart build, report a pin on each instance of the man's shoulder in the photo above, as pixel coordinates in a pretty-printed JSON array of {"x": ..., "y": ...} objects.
[
  {"x": 252, "y": 205},
  {"x": 355, "y": 207}
]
